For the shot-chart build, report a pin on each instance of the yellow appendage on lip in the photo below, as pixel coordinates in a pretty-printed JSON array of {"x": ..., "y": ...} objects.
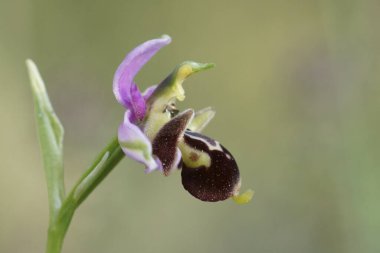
[{"x": 244, "y": 198}]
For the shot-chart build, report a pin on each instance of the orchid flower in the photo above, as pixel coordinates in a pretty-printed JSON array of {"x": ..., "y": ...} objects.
[{"x": 157, "y": 135}]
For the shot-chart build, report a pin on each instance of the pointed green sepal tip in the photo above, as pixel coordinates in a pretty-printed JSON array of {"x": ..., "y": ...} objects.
[{"x": 244, "y": 198}]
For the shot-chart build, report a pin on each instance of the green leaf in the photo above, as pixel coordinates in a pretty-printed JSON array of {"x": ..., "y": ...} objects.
[{"x": 50, "y": 132}]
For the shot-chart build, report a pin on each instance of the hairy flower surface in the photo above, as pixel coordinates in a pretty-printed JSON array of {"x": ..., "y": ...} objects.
[{"x": 156, "y": 134}]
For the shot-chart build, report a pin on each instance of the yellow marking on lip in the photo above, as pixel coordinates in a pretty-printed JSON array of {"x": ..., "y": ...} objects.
[{"x": 189, "y": 153}]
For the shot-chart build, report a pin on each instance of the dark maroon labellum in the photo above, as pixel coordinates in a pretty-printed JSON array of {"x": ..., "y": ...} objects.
[{"x": 217, "y": 182}]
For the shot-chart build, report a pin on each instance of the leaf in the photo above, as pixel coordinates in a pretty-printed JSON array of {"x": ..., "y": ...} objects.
[{"x": 50, "y": 132}]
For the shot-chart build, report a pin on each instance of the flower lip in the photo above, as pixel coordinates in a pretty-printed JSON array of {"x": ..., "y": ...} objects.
[{"x": 215, "y": 181}]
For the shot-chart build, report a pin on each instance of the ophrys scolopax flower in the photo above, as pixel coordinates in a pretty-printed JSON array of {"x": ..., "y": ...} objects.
[{"x": 156, "y": 134}]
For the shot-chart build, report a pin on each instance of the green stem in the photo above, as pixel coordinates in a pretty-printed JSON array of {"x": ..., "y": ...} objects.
[
  {"x": 57, "y": 231},
  {"x": 102, "y": 166},
  {"x": 54, "y": 243}
]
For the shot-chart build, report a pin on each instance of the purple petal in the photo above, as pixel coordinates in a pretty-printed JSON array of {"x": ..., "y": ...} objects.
[
  {"x": 138, "y": 108},
  {"x": 136, "y": 145},
  {"x": 137, "y": 105},
  {"x": 123, "y": 87}
]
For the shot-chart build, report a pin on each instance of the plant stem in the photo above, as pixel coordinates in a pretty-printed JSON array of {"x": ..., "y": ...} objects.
[
  {"x": 57, "y": 232},
  {"x": 95, "y": 174}
]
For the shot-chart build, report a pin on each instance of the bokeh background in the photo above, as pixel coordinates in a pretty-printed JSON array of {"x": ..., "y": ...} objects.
[{"x": 296, "y": 89}]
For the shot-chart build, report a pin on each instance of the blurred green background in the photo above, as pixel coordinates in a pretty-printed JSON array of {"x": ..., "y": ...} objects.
[{"x": 296, "y": 89}]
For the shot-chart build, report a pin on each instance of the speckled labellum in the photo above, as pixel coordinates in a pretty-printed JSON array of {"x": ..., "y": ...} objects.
[{"x": 218, "y": 178}]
